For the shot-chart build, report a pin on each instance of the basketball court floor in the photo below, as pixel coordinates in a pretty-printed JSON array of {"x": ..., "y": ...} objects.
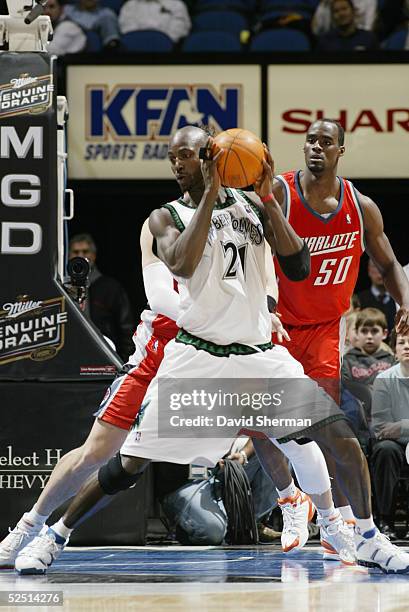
[{"x": 209, "y": 579}]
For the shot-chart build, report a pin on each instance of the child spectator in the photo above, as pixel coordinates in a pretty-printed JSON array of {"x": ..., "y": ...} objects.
[
  {"x": 390, "y": 421},
  {"x": 363, "y": 362}
]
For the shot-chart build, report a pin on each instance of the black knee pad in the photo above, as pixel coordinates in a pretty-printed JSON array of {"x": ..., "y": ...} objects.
[{"x": 113, "y": 478}]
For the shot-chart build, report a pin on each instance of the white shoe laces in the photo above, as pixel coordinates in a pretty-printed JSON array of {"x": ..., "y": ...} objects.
[{"x": 14, "y": 539}]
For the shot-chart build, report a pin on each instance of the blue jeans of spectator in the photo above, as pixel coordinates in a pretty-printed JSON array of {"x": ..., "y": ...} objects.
[{"x": 202, "y": 517}]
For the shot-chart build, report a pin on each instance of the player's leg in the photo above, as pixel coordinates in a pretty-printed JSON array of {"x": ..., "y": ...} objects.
[
  {"x": 373, "y": 548},
  {"x": 118, "y": 474},
  {"x": 311, "y": 471},
  {"x": 319, "y": 349}
]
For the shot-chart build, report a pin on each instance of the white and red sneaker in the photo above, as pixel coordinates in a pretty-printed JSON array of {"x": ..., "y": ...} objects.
[
  {"x": 337, "y": 539},
  {"x": 297, "y": 511}
]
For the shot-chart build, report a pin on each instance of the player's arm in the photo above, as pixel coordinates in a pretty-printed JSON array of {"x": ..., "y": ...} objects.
[
  {"x": 182, "y": 251},
  {"x": 380, "y": 251},
  {"x": 291, "y": 251},
  {"x": 157, "y": 280},
  {"x": 271, "y": 286}
]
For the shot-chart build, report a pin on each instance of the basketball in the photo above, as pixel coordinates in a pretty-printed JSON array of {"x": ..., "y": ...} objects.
[{"x": 242, "y": 161}]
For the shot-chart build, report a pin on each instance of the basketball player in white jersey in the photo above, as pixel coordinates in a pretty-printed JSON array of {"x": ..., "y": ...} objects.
[
  {"x": 226, "y": 328},
  {"x": 212, "y": 240}
]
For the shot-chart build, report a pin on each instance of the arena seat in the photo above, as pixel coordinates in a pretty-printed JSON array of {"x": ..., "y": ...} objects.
[
  {"x": 200, "y": 42},
  {"x": 114, "y": 5},
  {"x": 94, "y": 42},
  {"x": 146, "y": 41},
  {"x": 283, "y": 39},
  {"x": 226, "y": 21},
  {"x": 396, "y": 41},
  {"x": 242, "y": 6}
]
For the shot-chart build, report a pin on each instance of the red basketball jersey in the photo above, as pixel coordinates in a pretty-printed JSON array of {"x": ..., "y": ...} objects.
[{"x": 336, "y": 243}]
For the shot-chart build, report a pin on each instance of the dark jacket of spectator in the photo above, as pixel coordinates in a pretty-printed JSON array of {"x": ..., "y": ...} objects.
[
  {"x": 110, "y": 310},
  {"x": 363, "y": 368},
  {"x": 370, "y": 298},
  {"x": 359, "y": 40}
]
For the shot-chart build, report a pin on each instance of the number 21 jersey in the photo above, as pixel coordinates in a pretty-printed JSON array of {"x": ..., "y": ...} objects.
[{"x": 336, "y": 243}]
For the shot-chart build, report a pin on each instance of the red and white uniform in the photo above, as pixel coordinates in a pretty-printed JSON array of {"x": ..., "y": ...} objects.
[
  {"x": 123, "y": 398},
  {"x": 312, "y": 309}
]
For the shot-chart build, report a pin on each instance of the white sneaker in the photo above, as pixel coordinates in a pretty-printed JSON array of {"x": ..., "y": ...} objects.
[
  {"x": 379, "y": 551},
  {"x": 297, "y": 512},
  {"x": 17, "y": 539},
  {"x": 337, "y": 539},
  {"x": 37, "y": 557}
]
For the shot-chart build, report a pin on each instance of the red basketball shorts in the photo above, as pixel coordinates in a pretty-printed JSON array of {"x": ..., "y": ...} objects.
[
  {"x": 319, "y": 349},
  {"x": 124, "y": 397}
]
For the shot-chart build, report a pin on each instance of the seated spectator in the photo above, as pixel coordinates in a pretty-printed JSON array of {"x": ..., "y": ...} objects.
[
  {"x": 107, "y": 305},
  {"x": 345, "y": 35},
  {"x": 168, "y": 16},
  {"x": 377, "y": 296},
  {"x": 68, "y": 37},
  {"x": 197, "y": 512},
  {"x": 90, "y": 16},
  {"x": 390, "y": 421},
  {"x": 365, "y": 14},
  {"x": 363, "y": 362}
]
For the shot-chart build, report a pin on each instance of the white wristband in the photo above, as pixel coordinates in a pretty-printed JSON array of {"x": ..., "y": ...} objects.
[{"x": 244, "y": 455}]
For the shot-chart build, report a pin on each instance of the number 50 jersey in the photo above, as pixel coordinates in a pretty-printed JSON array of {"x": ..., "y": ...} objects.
[
  {"x": 225, "y": 300},
  {"x": 336, "y": 243}
]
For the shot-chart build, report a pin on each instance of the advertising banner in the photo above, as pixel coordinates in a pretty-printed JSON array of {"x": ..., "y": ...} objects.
[
  {"x": 123, "y": 116},
  {"x": 370, "y": 101},
  {"x": 43, "y": 335},
  {"x": 41, "y": 422}
]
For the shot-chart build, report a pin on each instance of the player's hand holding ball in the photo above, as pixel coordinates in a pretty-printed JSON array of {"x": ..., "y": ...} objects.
[
  {"x": 210, "y": 174},
  {"x": 263, "y": 186}
]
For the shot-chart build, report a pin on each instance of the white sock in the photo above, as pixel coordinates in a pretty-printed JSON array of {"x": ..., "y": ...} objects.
[
  {"x": 326, "y": 512},
  {"x": 61, "y": 530},
  {"x": 365, "y": 525},
  {"x": 290, "y": 491},
  {"x": 33, "y": 520},
  {"x": 346, "y": 513}
]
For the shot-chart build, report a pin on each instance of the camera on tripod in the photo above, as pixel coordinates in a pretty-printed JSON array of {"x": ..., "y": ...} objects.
[{"x": 78, "y": 269}]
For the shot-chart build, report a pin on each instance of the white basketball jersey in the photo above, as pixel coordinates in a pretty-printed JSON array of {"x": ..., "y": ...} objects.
[{"x": 225, "y": 299}]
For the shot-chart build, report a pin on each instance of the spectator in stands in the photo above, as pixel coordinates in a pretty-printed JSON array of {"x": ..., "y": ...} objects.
[
  {"x": 345, "y": 35},
  {"x": 107, "y": 305},
  {"x": 90, "y": 16},
  {"x": 377, "y": 296},
  {"x": 68, "y": 37},
  {"x": 168, "y": 16},
  {"x": 363, "y": 362},
  {"x": 365, "y": 14},
  {"x": 196, "y": 511},
  {"x": 390, "y": 420}
]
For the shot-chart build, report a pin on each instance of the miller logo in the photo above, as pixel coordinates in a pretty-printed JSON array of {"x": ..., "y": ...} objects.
[
  {"x": 26, "y": 94},
  {"x": 32, "y": 329}
]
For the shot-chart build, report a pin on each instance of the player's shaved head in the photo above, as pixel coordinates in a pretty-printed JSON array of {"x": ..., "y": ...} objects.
[{"x": 190, "y": 135}]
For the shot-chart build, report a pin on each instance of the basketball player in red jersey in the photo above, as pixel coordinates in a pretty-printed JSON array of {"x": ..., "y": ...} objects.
[{"x": 338, "y": 223}]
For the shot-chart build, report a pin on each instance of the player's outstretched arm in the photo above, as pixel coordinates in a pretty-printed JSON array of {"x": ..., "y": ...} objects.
[
  {"x": 380, "y": 251},
  {"x": 182, "y": 251}
]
